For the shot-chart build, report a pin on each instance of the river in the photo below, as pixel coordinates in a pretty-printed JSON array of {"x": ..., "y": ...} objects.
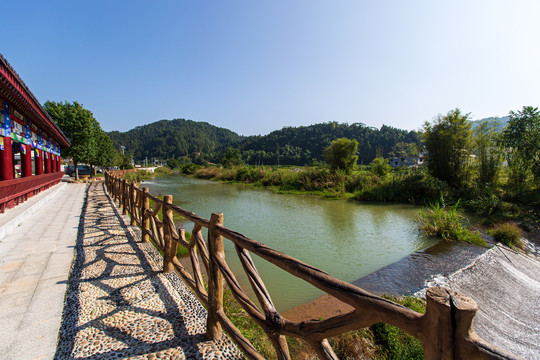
[{"x": 347, "y": 239}]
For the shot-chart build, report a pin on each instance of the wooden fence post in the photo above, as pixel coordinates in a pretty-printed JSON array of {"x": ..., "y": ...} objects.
[
  {"x": 144, "y": 216},
  {"x": 215, "y": 278},
  {"x": 113, "y": 184},
  {"x": 437, "y": 325},
  {"x": 169, "y": 251},
  {"x": 119, "y": 192},
  {"x": 124, "y": 197},
  {"x": 133, "y": 198},
  {"x": 448, "y": 330}
]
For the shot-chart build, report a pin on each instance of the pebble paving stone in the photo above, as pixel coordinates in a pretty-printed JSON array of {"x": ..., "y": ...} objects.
[{"x": 119, "y": 304}]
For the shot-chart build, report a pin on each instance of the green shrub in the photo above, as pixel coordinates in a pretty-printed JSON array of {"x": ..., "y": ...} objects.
[
  {"x": 163, "y": 170},
  {"x": 271, "y": 178},
  {"x": 416, "y": 188},
  {"x": 189, "y": 169},
  {"x": 439, "y": 220},
  {"x": 358, "y": 181},
  {"x": 138, "y": 176},
  {"x": 486, "y": 204},
  {"x": 380, "y": 167},
  {"x": 249, "y": 174},
  {"x": 508, "y": 234}
]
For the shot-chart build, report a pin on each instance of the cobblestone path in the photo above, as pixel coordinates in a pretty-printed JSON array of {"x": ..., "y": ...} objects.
[{"x": 120, "y": 305}]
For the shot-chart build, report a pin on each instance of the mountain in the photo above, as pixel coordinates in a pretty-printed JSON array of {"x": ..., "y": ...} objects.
[
  {"x": 301, "y": 145},
  {"x": 165, "y": 139},
  {"x": 289, "y": 146},
  {"x": 501, "y": 122}
]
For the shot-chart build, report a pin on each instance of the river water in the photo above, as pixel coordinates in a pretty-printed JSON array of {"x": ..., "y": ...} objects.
[{"x": 347, "y": 239}]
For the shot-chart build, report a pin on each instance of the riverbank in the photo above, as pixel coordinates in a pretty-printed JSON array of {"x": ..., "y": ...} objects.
[{"x": 410, "y": 185}]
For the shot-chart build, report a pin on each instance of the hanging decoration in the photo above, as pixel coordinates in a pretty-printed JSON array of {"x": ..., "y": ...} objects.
[
  {"x": 28, "y": 133},
  {"x": 7, "y": 121}
]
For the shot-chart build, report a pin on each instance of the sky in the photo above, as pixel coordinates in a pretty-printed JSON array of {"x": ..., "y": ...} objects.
[{"x": 258, "y": 66}]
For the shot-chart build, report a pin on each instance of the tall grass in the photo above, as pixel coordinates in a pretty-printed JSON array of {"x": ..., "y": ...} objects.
[{"x": 447, "y": 222}]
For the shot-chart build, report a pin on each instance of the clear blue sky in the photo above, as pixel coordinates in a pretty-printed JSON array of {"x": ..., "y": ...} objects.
[{"x": 254, "y": 66}]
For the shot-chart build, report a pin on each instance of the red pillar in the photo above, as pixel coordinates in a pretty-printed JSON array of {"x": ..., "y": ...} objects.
[
  {"x": 47, "y": 162},
  {"x": 58, "y": 167},
  {"x": 6, "y": 160},
  {"x": 26, "y": 161},
  {"x": 39, "y": 162}
]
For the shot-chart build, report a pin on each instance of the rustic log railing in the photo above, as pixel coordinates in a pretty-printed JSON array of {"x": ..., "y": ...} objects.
[{"x": 445, "y": 330}]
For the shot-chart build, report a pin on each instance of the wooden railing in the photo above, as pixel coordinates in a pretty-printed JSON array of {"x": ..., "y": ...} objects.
[
  {"x": 13, "y": 192},
  {"x": 445, "y": 330}
]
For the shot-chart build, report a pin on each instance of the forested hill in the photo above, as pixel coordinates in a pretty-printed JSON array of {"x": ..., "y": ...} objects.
[
  {"x": 291, "y": 145},
  {"x": 166, "y": 139},
  {"x": 301, "y": 145}
]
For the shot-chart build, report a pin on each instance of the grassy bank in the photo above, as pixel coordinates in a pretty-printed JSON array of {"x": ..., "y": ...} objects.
[{"x": 410, "y": 186}]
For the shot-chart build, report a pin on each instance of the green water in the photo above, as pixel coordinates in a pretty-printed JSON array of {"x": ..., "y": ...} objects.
[{"x": 347, "y": 239}]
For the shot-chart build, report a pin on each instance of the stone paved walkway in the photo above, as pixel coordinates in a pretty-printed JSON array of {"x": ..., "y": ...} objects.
[
  {"x": 119, "y": 304},
  {"x": 35, "y": 257}
]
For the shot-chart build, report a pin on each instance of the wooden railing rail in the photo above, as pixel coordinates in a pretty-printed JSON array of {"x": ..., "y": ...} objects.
[
  {"x": 445, "y": 330},
  {"x": 13, "y": 192}
]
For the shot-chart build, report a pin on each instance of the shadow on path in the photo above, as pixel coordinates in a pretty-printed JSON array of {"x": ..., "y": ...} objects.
[{"x": 119, "y": 304}]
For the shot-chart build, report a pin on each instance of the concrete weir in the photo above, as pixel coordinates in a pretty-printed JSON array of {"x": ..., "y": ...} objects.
[{"x": 506, "y": 286}]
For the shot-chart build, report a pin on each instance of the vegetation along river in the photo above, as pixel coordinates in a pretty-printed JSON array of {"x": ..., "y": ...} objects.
[{"x": 347, "y": 239}]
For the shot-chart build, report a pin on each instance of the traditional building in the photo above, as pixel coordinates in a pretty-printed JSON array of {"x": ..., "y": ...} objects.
[{"x": 30, "y": 141}]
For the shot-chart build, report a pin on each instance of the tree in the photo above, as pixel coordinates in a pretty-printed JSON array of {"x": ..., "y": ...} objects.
[
  {"x": 77, "y": 123},
  {"x": 173, "y": 163},
  {"x": 448, "y": 145},
  {"x": 379, "y": 166},
  {"x": 402, "y": 149},
  {"x": 125, "y": 161},
  {"x": 232, "y": 157},
  {"x": 488, "y": 153},
  {"x": 341, "y": 154},
  {"x": 522, "y": 138},
  {"x": 106, "y": 154}
]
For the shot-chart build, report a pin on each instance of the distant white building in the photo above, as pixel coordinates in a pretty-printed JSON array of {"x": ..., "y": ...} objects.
[{"x": 408, "y": 161}]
